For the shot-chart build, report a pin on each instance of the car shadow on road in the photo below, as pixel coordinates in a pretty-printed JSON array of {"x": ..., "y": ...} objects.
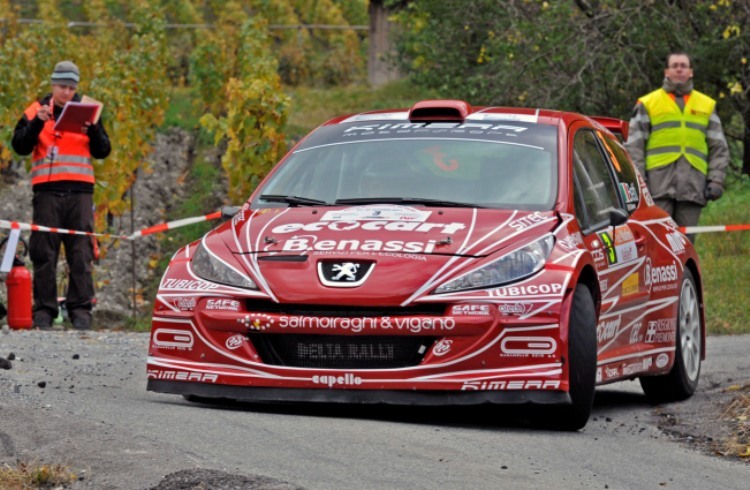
[{"x": 505, "y": 417}]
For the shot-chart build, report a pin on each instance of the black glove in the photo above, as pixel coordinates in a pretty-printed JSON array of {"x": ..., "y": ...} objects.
[{"x": 713, "y": 191}]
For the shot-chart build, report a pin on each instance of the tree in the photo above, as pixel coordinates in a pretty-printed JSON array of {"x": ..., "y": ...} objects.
[{"x": 589, "y": 56}]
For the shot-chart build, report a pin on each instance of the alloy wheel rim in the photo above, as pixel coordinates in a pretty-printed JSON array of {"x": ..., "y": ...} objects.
[{"x": 690, "y": 335}]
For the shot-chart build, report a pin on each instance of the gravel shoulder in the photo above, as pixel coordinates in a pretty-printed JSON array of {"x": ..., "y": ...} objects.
[{"x": 70, "y": 398}]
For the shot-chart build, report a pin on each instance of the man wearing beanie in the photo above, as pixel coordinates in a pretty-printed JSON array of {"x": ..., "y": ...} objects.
[
  {"x": 62, "y": 178},
  {"x": 677, "y": 143}
]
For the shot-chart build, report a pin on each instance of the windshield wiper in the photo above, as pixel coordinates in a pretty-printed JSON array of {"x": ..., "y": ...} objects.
[
  {"x": 407, "y": 200},
  {"x": 293, "y": 200}
]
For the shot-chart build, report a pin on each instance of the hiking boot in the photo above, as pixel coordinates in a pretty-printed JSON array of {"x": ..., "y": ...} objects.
[
  {"x": 42, "y": 321},
  {"x": 82, "y": 323}
]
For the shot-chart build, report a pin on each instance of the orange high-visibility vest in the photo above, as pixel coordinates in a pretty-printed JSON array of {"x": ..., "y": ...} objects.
[{"x": 59, "y": 155}]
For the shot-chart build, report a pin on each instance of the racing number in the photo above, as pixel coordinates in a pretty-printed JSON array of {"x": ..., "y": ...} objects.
[{"x": 611, "y": 254}]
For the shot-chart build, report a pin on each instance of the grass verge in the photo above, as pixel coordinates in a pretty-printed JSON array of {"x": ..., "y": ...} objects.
[
  {"x": 725, "y": 261},
  {"x": 29, "y": 475}
]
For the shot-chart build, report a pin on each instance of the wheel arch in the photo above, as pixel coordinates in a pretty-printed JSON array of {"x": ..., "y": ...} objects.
[{"x": 590, "y": 279}]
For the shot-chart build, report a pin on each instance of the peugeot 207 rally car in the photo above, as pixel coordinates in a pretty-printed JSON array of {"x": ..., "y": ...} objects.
[{"x": 443, "y": 254}]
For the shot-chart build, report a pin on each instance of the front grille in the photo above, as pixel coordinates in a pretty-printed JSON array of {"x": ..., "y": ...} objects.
[
  {"x": 341, "y": 352},
  {"x": 430, "y": 309}
]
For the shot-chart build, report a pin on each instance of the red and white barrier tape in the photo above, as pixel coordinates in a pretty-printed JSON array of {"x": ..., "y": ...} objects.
[
  {"x": 145, "y": 231},
  {"x": 689, "y": 230},
  {"x": 12, "y": 225},
  {"x": 174, "y": 224}
]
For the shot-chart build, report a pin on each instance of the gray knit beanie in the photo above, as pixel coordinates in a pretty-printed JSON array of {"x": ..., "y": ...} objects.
[{"x": 65, "y": 73}]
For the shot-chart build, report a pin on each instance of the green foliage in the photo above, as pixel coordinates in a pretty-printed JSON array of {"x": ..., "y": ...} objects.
[
  {"x": 725, "y": 261},
  {"x": 312, "y": 106},
  {"x": 590, "y": 57},
  {"x": 255, "y": 111}
]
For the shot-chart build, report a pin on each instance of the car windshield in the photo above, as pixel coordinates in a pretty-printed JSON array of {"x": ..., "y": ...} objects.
[{"x": 514, "y": 167}]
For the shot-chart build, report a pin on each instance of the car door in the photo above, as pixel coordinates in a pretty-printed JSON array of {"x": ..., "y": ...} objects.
[{"x": 618, "y": 251}]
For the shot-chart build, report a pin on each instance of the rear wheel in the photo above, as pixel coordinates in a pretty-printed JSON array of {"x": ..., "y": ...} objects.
[
  {"x": 680, "y": 383},
  {"x": 581, "y": 366}
]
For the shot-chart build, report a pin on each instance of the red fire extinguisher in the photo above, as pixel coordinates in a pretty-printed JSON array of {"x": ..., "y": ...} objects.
[{"x": 18, "y": 285}]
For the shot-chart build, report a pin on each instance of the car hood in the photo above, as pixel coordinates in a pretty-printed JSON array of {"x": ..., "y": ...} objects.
[
  {"x": 295, "y": 254},
  {"x": 383, "y": 228}
]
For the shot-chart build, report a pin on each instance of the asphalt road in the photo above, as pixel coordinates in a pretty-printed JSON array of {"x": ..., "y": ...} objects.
[{"x": 94, "y": 415}]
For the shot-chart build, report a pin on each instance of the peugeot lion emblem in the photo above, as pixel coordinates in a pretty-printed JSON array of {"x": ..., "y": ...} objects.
[{"x": 344, "y": 274}]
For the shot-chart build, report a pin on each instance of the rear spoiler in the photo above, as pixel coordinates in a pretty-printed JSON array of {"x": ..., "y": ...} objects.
[{"x": 618, "y": 127}]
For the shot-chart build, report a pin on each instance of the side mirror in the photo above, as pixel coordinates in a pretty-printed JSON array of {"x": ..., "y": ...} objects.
[
  {"x": 617, "y": 217},
  {"x": 227, "y": 212}
]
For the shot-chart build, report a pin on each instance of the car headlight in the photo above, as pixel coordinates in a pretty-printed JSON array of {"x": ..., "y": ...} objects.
[
  {"x": 209, "y": 267},
  {"x": 512, "y": 267}
]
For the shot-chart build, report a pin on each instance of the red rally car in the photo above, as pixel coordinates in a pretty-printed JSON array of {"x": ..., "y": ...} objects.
[{"x": 442, "y": 254}]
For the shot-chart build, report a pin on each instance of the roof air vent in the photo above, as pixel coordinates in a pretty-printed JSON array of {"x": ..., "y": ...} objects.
[{"x": 439, "y": 110}]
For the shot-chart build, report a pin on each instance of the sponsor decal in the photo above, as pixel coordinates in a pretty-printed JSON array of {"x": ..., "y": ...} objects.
[
  {"x": 531, "y": 290},
  {"x": 676, "y": 242},
  {"x": 529, "y": 220},
  {"x": 611, "y": 372},
  {"x": 462, "y": 127},
  {"x": 377, "y": 212},
  {"x": 235, "y": 342},
  {"x": 238, "y": 218},
  {"x": 514, "y": 309},
  {"x": 662, "y": 360},
  {"x": 635, "y": 333},
  {"x": 347, "y": 379},
  {"x": 528, "y": 346},
  {"x": 629, "y": 192},
  {"x": 599, "y": 257},
  {"x": 470, "y": 310},
  {"x": 372, "y": 254},
  {"x": 636, "y": 367},
  {"x": 661, "y": 330},
  {"x": 630, "y": 284},
  {"x": 572, "y": 241},
  {"x": 647, "y": 195},
  {"x": 223, "y": 304},
  {"x": 310, "y": 243},
  {"x": 625, "y": 247},
  {"x": 256, "y": 321},
  {"x": 661, "y": 277},
  {"x": 360, "y": 324},
  {"x": 604, "y": 285},
  {"x": 187, "y": 284},
  {"x": 167, "y": 338},
  {"x": 623, "y": 234},
  {"x": 182, "y": 376},
  {"x": 530, "y": 384},
  {"x": 184, "y": 304},
  {"x": 350, "y": 352},
  {"x": 379, "y": 226},
  {"x": 443, "y": 347},
  {"x": 598, "y": 375},
  {"x": 607, "y": 329}
]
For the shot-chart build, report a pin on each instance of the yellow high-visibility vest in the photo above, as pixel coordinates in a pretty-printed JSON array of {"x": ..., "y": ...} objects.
[{"x": 676, "y": 133}]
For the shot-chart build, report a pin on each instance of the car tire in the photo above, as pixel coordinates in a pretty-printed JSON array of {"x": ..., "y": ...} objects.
[
  {"x": 581, "y": 367},
  {"x": 681, "y": 381}
]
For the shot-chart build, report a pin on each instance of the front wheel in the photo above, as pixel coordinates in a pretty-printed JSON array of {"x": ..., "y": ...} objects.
[
  {"x": 581, "y": 367},
  {"x": 680, "y": 383}
]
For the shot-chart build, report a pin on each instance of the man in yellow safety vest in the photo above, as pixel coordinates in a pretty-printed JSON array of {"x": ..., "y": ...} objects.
[{"x": 677, "y": 143}]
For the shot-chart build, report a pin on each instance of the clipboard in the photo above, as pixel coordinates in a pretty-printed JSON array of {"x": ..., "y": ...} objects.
[{"x": 75, "y": 115}]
